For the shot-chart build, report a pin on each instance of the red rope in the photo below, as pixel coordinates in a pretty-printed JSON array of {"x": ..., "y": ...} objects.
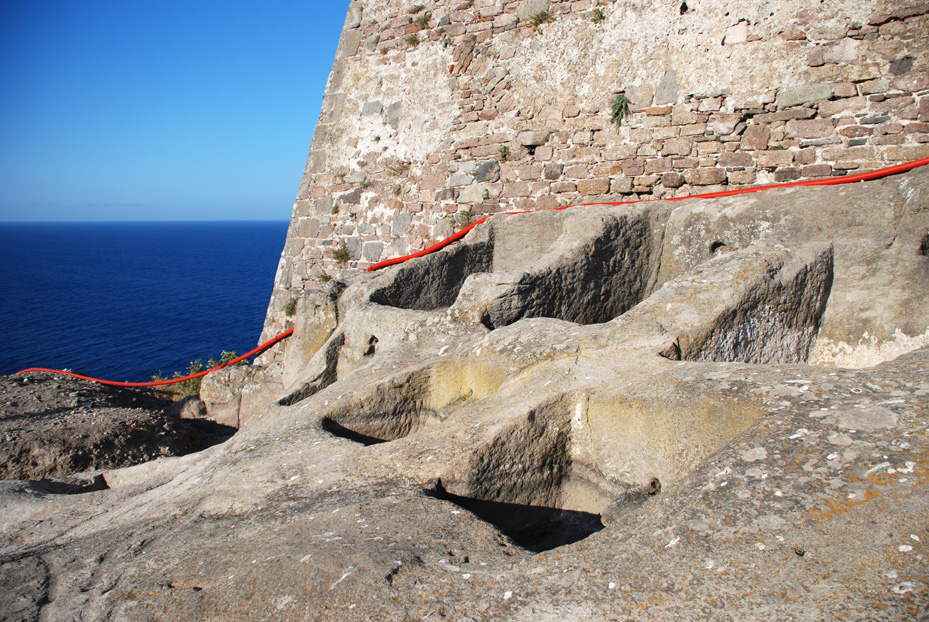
[
  {"x": 831, "y": 181},
  {"x": 261, "y": 348},
  {"x": 869, "y": 175}
]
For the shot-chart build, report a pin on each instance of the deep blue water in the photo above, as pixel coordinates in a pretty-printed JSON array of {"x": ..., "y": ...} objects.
[{"x": 122, "y": 301}]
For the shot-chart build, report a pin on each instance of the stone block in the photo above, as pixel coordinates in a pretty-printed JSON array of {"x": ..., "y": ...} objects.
[
  {"x": 738, "y": 158},
  {"x": 677, "y": 146},
  {"x": 371, "y": 251},
  {"x": 532, "y": 138},
  {"x": 708, "y": 147},
  {"x": 672, "y": 180},
  {"x": 589, "y": 187},
  {"x": 667, "y": 91},
  {"x": 705, "y": 176},
  {"x": 745, "y": 176},
  {"x": 816, "y": 170},
  {"x": 617, "y": 152},
  {"x": 873, "y": 86},
  {"x": 570, "y": 111},
  {"x": 552, "y": 171},
  {"x": 576, "y": 171},
  {"x": 756, "y": 137},
  {"x": 459, "y": 179},
  {"x": 564, "y": 186},
  {"x": 657, "y": 111},
  {"x": 786, "y": 174},
  {"x": 810, "y": 128},
  {"x": 805, "y": 156},
  {"x": 488, "y": 171},
  {"x": 631, "y": 168},
  {"x": 888, "y": 139},
  {"x": 693, "y": 129},
  {"x": 640, "y": 96},
  {"x": 516, "y": 189},
  {"x": 844, "y": 89},
  {"x": 723, "y": 123},
  {"x": 645, "y": 181},
  {"x": 475, "y": 193},
  {"x": 846, "y": 51},
  {"x": 805, "y": 93},
  {"x": 686, "y": 163},
  {"x": 681, "y": 114},
  {"x": 658, "y": 165},
  {"x": 543, "y": 153},
  {"x": 774, "y": 158},
  {"x": 621, "y": 185}
]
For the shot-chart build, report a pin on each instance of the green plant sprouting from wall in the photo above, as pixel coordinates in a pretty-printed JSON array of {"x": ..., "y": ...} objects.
[
  {"x": 540, "y": 18},
  {"x": 463, "y": 218},
  {"x": 504, "y": 153},
  {"x": 416, "y": 8},
  {"x": 619, "y": 109},
  {"x": 423, "y": 20},
  {"x": 412, "y": 40},
  {"x": 341, "y": 254},
  {"x": 291, "y": 307},
  {"x": 597, "y": 16}
]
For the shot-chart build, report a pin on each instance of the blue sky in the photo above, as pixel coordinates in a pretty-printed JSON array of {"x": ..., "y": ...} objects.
[{"x": 163, "y": 110}]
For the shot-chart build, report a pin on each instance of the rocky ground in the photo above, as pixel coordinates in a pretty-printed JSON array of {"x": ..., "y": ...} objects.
[{"x": 57, "y": 426}]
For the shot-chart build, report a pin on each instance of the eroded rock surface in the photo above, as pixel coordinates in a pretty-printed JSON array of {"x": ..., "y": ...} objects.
[{"x": 610, "y": 412}]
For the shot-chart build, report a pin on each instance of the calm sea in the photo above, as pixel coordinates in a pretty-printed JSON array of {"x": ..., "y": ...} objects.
[{"x": 122, "y": 301}]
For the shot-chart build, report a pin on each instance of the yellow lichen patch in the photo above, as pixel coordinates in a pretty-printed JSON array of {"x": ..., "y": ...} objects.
[{"x": 454, "y": 382}]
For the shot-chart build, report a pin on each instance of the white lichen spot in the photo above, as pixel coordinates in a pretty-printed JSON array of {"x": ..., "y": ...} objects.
[{"x": 904, "y": 548}]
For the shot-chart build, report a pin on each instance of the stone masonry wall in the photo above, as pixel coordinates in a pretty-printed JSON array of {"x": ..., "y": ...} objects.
[{"x": 439, "y": 112}]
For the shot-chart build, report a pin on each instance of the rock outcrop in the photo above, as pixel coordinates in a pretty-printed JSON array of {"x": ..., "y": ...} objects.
[{"x": 607, "y": 412}]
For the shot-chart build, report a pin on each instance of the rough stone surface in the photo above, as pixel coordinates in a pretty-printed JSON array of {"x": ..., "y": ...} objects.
[
  {"x": 649, "y": 411},
  {"x": 52, "y": 426}
]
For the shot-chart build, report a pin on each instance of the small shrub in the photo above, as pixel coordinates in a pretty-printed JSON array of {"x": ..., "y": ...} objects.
[
  {"x": 540, "y": 18},
  {"x": 597, "y": 16},
  {"x": 398, "y": 190},
  {"x": 416, "y": 8},
  {"x": 504, "y": 153},
  {"x": 341, "y": 254},
  {"x": 463, "y": 218},
  {"x": 291, "y": 307},
  {"x": 412, "y": 41},
  {"x": 224, "y": 357},
  {"x": 619, "y": 109},
  {"x": 486, "y": 194},
  {"x": 423, "y": 21},
  {"x": 446, "y": 42},
  {"x": 377, "y": 139},
  {"x": 323, "y": 277}
]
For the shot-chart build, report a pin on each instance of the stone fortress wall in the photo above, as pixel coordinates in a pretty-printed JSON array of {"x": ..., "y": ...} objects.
[{"x": 440, "y": 111}]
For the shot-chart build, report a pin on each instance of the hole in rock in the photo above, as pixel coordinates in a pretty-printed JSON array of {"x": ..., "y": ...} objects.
[
  {"x": 718, "y": 247},
  {"x": 333, "y": 427},
  {"x": 590, "y": 282},
  {"x": 526, "y": 484},
  {"x": 433, "y": 282},
  {"x": 409, "y": 402},
  {"x": 534, "y": 528},
  {"x": 71, "y": 486},
  {"x": 924, "y": 246},
  {"x": 684, "y": 8},
  {"x": 372, "y": 346}
]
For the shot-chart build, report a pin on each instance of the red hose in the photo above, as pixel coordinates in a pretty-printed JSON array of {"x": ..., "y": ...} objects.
[
  {"x": 869, "y": 175},
  {"x": 831, "y": 181},
  {"x": 261, "y": 348}
]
